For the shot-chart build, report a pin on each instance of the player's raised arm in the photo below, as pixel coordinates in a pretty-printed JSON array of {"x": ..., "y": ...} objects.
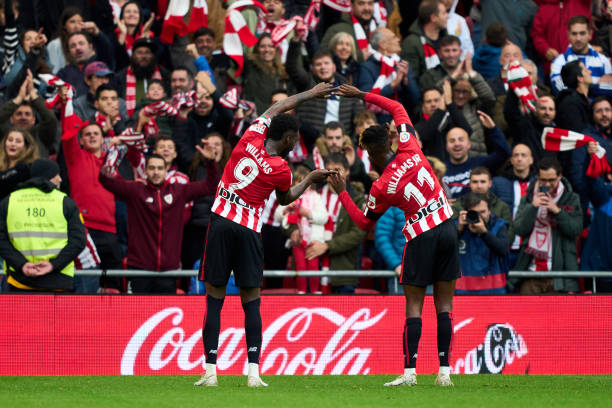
[
  {"x": 321, "y": 90},
  {"x": 396, "y": 109},
  {"x": 315, "y": 176}
]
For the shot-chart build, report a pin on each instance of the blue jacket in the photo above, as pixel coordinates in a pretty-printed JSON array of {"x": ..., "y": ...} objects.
[
  {"x": 389, "y": 238},
  {"x": 596, "y": 254},
  {"x": 484, "y": 259},
  {"x": 486, "y": 61},
  {"x": 503, "y": 187}
]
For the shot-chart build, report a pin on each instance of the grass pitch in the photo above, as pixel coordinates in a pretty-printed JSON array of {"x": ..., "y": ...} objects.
[{"x": 306, "y": 391}]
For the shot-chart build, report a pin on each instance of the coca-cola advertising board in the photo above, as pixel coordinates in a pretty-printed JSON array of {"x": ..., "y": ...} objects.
[{"x": 135, "y": 335}]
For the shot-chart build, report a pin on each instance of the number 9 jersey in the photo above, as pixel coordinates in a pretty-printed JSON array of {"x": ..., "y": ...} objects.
[
  {"x": 409, "y": 183},
  {"x": 249, "y": 177}
]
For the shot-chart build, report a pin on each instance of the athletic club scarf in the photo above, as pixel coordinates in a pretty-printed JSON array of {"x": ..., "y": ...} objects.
[
  {"x": 133, "y": 138},
  {"x": 431, "y": 57},
  {"x": 130, "y": 39},
  {"x": 101, "y": 121},
  {"x": 299, "y": 152},
  {"x": 311, "y": 18},
  {"x": 237, "y": 33},
  {"x": 363, "y": 43},
  {"x": 88, "y": 258},
  {"x": 282, "y": 30},
  {"x": 518, "y": 80},
  {"x": 187, "y": 99},
  {"x": 159, "y": 108},
  {"x": 317, "y": 158},
  {"x": 313, "y": 14},
  {"x": 540, "y": 240},
  {"x": 130, "y": 89},
  {"x": 388, "y": 65},
  {"x": 174, "y": 23},
  {"x": 562, "y": 140},
  {"x": 52, "y": 81},
  {"x": 71, "y": 123}
]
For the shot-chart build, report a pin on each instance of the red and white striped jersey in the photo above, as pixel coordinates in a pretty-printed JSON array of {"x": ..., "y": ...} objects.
[
  {"x": 250, "y": 176},
  {"x": 408, "y": 182},
  {"x": 332, "y": 206},
  {"x": 267, "y": 214}
]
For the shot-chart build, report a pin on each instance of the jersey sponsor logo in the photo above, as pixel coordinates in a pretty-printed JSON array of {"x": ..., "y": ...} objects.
[
  {"x": 371, "y": 202},
  {"x": 233, "y": 198},
  {"x": 423, "y": 212},
  {"x": 404, "y": 137},
  {"x": 259, "y": 128}
]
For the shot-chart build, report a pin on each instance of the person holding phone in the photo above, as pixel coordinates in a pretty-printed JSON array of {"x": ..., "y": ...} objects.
[{"x": 483, "y": 247}]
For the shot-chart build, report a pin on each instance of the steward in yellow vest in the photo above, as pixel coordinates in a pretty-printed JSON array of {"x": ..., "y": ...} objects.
[{"x": 41, "y": 233}]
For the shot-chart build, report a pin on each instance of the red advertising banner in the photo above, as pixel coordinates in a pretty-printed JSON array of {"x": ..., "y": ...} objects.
[{"x": 135, "y": 335}]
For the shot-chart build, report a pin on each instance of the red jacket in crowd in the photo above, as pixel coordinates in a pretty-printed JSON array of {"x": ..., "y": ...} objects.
[
  {"x": 95, "y": 203},
  {"x": 155, "y": 217}
]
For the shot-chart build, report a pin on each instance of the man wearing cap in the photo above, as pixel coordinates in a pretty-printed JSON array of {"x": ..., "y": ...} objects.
[
  {"x": 41, "y": 233},
  {"x": 96, "y": 73},
  {"x": 132, "y": 81}
]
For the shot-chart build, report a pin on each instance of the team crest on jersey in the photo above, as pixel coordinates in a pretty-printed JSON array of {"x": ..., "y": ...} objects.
[
  {"x": 404, "y": 137},
  {"x": 371, "y": 202},
  {"x": 259, "y": 128},
  {"x": 168, "y": 198}
]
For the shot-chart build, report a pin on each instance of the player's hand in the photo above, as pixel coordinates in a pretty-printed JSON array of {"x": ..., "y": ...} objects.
[
  {"x": 319, "y": 176},
  {"x": 485, "y": 120},
  {"x": 398, "y": 270},
  {"x": 349, "y": 91},
  {"x": 321, "y": 90},
  {"x": 337, "y": 182},
  {"x": 316, "y": 249}
]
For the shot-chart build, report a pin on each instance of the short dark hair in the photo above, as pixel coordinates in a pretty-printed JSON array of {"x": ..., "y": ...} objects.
[
  {"x": 338, "y": 158},
  {"x": 549, "y": 162},
  {"x": 496, "y": 34},
  {"x": 183, "y": 68},
  {"x": 480, "y": 170},
  {"x": 204, "y": 31},
  {"x": 426, "y": 9},
  {"x": 333, "y": 125},
  {"x": 449, "y": 40},
  {"x": 596, "y": 101},
  {"x": 104, "y": 87},
  {"x": 471, "y": 200},
  {"x": 83, "y": 33},
  {"x": 164, "y": 138},
  {"x": 578, "y": 19},
  {"x": 155, "y": 156},
  {"x": 155, "y": 81},
  {"x": 322, "y": 54},
  {"x": 374, "y": 135},
  {"x": 570, "y": 73},
  {"x": 281, "y": 124},
  {"x": 278, "y": 91}
]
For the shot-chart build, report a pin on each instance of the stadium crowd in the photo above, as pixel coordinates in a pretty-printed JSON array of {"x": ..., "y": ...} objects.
[{"x": 136, "y": 98}]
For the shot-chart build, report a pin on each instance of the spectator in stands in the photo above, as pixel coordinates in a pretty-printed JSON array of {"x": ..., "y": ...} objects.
[
  {"x": 155, "y": 210},
  {"x": 208, "y": 116},
  {"x": 318, "y": 112},
  {"x": 603, "y": 20},
  {"x": 516, "y": 15},
  {"x": 132, "y": 80},
  {"x": 343, "y": 236},
  {"x": 481, "y": 183},
  {"x": 17, "y": 151},
  {"x": 131, "y": 26},
  {"x": 548, "y": 33},
  {"x": 20, "y": 112},
  {"x": 549, "y": 219},
  {"x": 510, "y": 52},
  {"x": 487, "y": 56},
  {"x": 512, "y": 185},
  {"x": 483, "y": 248},
  {"x": 82, "y": 52},
  {"x": 263, "y": 73},
  {"x": 573, "y": 102},
  {"x": 466, "y": 83},
  {"x": 204, "y": 43},
  {"x": 439, "y": 115},
  {"x": 181, "y": 80},
  {"x": 334, "y": 140},
  {"x": 390, "y": 242},
  {"x": 402, "y": 86},
  {"x": 450, "y": 62},
  {"x": 579, "y": 33},
  {"x": 107, "y": 112},
  {"x": 272, "y": 19},
  {"x": 344, "y": 53},
  {"x": 457, "y": 26},
  {"x": 41, "y": 233},
  {"x": 527, "y": 129},
  {"x": 95, "y": 74},
  {"x": 95, "y": 203},
  {"x": 363, "y": 11},
  {"x": 420, "y": 46},
  {"x": 460, "y": 164}
]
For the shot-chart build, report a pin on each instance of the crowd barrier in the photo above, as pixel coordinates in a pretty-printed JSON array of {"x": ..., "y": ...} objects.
[{"x": 137, "y": 335}]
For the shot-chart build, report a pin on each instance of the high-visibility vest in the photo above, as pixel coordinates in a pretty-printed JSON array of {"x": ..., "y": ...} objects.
[{"x": 36, "y": 225}]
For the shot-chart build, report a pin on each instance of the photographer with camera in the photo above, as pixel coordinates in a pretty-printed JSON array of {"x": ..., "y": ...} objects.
[
  {"x": 549, "y": 219},
  {"x": 483, "y": 248}
]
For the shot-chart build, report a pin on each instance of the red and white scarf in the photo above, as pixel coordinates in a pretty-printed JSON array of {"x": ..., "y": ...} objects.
[
  {"x": 317, "y": 158},
  {"x": 133, "y": 138},
  {"x": 431, "y": 57},
  {"x": 237, "y": 33},
  {"x": 311, "y": 18},
  {"x": 282, "y": 30},
  {"x": 53, "y": 81},
  {"x": 159, "y": 108},
  {"x": 130, "y": 39},
  {"x": 388, "y": 67},
  {"x": 313, "y": 14},
  {"x": 518, "y": 80},
  {"x": 88, "y": 258},
  {"x": 101, "y": 119},
  {"x": 540, "y": 240},
  {"x": 363, "y": 42},
  {"x": 299, "y": 152},
  {"x": 562, "y": 140},
  {"x": 187, "y": 99},
  {"x": 130, "y": 89},
  {"x": 174, "y": 24}
]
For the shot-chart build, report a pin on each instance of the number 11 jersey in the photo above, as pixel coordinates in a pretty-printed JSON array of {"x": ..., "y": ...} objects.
[{"x": 249, "y": 177}]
